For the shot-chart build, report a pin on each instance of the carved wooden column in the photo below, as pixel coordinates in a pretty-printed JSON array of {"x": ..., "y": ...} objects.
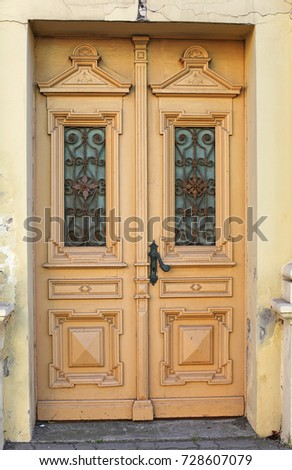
[{"x": 142, "y": 409}]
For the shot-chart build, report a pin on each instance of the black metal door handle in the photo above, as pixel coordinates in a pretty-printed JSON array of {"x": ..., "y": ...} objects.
[{"x": 154, "y": 257}]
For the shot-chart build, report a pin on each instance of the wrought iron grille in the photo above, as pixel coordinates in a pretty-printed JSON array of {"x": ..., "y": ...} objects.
[
  {"x": 195, "y": 185},
  {"x": 85, "y": 189}
]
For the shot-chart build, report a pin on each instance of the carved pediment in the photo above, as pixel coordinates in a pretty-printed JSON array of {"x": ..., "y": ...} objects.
[
  {"x": 195, "y": 78},
  {"x": 84, "y": 77}
]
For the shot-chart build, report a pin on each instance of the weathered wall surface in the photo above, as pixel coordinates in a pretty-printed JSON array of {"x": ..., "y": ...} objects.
[
  {"x": 269, "y": 149},
  {"x": 220, "y": 11},
  {"x": 16, "y": 266}
]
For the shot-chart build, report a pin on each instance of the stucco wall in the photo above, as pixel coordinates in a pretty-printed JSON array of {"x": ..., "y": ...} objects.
[
  {"x": 269, "y": 148},
  {"x": 269, "y": 143},
  {"x": 16, "y": 266},
  {"x": 220, "y": 11}
]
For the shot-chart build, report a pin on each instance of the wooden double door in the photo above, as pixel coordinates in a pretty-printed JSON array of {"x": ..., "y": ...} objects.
[{"x": 140, "y": 140}]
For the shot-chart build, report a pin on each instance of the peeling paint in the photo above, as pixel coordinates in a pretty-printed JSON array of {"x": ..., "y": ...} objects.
[
  {"x": 5, "y": 224},
  {"x": 3, "y": 258},
  {"x": 5, "y": 367},
  {"x": 248, "y": 329},
  {"x": 142, "y": 10},
  {"x": 8, "y": 280},
  {"x": 267, "y": 321}
]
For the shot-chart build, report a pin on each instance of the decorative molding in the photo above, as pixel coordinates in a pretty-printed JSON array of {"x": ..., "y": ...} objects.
[
  {"x": 196, "y": 287},
  {"x": 198, "y": 407},
  {"x": 287, "y": 271},
  {"x": 196, "y": 79},
  {"x": 85, "y": 348},
  {"x": 283, "y": 308},
  {"x": 84, "y": 77},
  {"x": 194, "y": 52},
  {"x": 83, "y": 51},
  {"x": 60, "y": 410},
  {"x": 196, "y": 346},
  {"x": 59, "y": 255},
  {"x": 142, "y": 408},
  {"x": 85, "y": 288},
  {"x": 222, "y": 252}
]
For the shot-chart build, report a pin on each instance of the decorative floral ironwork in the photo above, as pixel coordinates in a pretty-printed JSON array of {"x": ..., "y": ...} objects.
[
  {"x": 85, "y": 187},
  {"x": 195, "y": 185}
]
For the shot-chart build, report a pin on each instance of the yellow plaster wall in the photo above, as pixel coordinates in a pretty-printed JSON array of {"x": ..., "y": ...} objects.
[
  {"x": 270, "y": 159},
  {"x": 274, "y": 144},
  {"x": 15, "y": 202},
  {"x": 251, "y": 247},
  {"x": 269, "y": 168}
]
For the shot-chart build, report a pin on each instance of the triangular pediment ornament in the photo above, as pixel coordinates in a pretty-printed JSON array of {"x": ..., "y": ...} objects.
[
  {"x": 196, "y": 78},
  {"x": 84, "y": 77}
]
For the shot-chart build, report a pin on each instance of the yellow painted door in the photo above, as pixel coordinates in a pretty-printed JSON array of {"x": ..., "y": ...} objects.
[
  {"x": 137, "y": 140},
  {"x": 196, "y": 187},
  {"x": 86, "y": 330}
]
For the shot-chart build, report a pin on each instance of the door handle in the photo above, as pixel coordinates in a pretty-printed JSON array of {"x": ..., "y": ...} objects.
[{"x": 154, "y": 257}]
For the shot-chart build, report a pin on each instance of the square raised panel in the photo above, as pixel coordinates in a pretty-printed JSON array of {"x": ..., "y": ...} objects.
[
  {"x": 86, "y": 346},
  {"x": 195, "y": 345}
]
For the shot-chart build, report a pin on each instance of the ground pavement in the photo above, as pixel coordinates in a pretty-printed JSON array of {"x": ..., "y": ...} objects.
[{"x": 188, "y": 434}]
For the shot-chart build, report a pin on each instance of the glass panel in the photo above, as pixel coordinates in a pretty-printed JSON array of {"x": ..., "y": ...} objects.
[
  {"x": 195, "y": 185},
  {"x": 84, "y": 174}
]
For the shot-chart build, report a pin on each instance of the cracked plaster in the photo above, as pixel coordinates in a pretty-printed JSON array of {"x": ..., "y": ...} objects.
[
  {"x": 227, "y": 11},
  {"x": 253, "y": 10}
]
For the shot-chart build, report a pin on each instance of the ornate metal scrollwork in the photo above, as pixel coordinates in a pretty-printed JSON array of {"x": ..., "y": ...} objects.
[
  {"x": 85, "y": 186},
  {"x": 195, "y": 185}
]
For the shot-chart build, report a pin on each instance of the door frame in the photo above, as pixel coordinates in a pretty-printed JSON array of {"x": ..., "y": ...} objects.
[
  {"x": 195, "y": 60},
  {"x": 240, "y": 32}
]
